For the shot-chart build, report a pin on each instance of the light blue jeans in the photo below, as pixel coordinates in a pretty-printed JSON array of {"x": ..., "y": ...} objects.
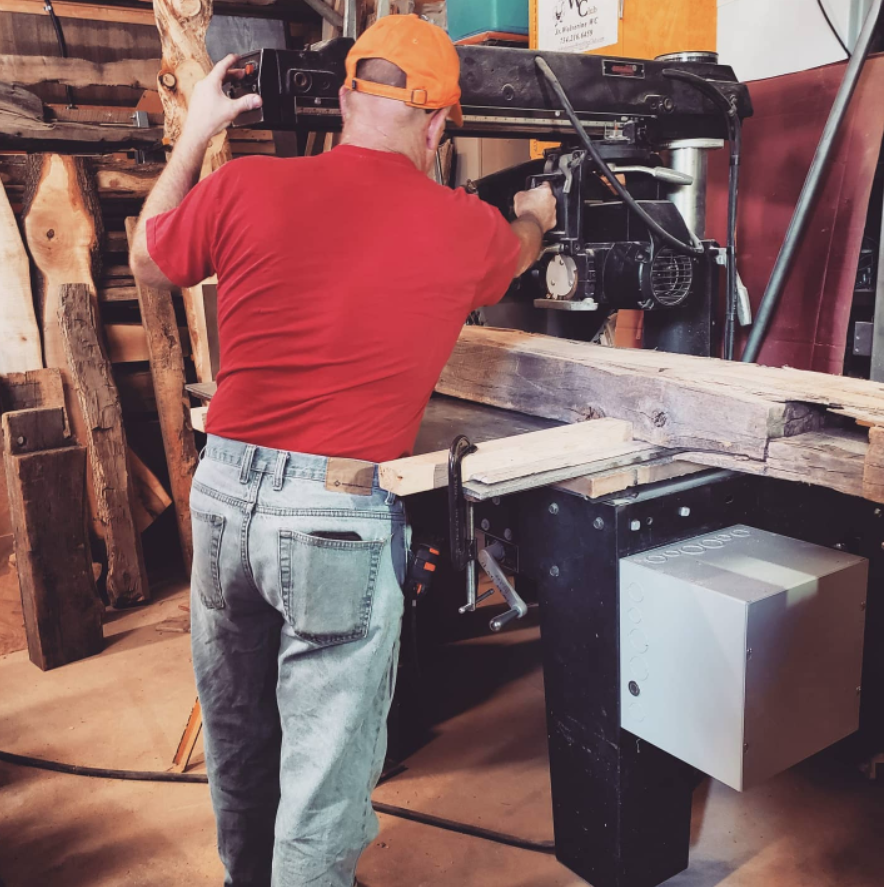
[{"x": 296, "y": 612}]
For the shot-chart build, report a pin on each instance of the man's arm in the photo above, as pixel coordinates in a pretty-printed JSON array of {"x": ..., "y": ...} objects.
[
  {"x": 535, "y": 215},
  {"x": 210, "y": 112}
]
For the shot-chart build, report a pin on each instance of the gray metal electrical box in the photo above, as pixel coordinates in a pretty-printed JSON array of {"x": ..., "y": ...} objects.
[{"x": 741, "y": 651}]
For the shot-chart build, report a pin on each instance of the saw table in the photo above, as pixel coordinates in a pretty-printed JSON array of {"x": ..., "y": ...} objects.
[{"x": 622, "y": 806}]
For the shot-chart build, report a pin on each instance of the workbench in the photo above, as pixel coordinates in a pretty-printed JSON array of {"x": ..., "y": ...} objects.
[{"x": 622, "y": 807}]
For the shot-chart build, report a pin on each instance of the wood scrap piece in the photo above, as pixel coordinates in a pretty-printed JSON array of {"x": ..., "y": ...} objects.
[
  {"x": 30, "y": 70},
  {"x": 198, "y": 416},
  {"x": 188, "y": 739},
  {"x": 507, "y": 458},
  {"x": 24, "y": 127},
  {"x": 35, "y": 388},
  {"x": 173, "y": 405},
  {"x": 149, "y": 497},
  {"x": 100, "y": 404},
  {"x": 21, "y": 349},
  {"x": 616, "y": 480},
  {"x": 46, "y": 476},
  {"x": 873, "y": 470}
]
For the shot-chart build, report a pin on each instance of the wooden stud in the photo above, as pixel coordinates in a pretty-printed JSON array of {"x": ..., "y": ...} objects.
[
  {"x": 100, "y": 405},
  {"x": 173, "y": 405},
  {"x": 46, "y": 478}
]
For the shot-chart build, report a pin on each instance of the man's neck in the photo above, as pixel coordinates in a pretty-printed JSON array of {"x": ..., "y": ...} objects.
[{"x": 377, "y": 141}]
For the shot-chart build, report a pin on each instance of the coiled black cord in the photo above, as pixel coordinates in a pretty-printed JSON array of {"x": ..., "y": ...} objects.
[
  {"x": 62, "y": 44},
  {"x": 448, "y": 825},
  {"x": 653, "y": 226}
]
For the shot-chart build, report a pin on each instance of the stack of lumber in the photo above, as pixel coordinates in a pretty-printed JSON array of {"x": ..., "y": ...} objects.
[{"x": 792, "y": 424}]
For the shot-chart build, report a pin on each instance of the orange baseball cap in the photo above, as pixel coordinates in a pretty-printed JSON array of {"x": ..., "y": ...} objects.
[{"x": 423, "y": 51}]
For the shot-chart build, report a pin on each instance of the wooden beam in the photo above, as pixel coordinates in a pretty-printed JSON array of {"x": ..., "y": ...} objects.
[
  {"x": 62, "y": 225},
  {"x": 182, "y": 28},
  {"x": 96, "y": 12},
  {"x": 30, "y": 70},
  {"x": 21, "y": 349},
  {"x": 672, "y": 400},
  {"x": 24, "y": 127},
  {"x": 100, "y": 405},
  {"x": 113, "y": 178},
  {"x": 46, "y": 476},
  {"x": 173, "y": 404},
  {"x": 873, "y": 474},
  {"x": 507, "y": 458}
]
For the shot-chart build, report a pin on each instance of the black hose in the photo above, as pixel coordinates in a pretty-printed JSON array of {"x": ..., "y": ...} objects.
[
  {"x": 605, "y": 170},
  {"x": 801, "y": 216},
  {"x": 62, "y": 44},
  {"x": 461, "y": 828},
  {"x": 734, "y": 130}
]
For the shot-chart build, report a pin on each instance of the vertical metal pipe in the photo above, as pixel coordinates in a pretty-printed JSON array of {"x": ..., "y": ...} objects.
[
  {"x": 801, "y": 216},
  {"x": 350, "y": 17},
  {"x": 691, "y": 156}
]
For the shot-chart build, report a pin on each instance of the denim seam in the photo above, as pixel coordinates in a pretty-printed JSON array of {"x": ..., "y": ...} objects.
[
  {"x": 246, "y": 526},
  {"x": 331, "y": 512}
]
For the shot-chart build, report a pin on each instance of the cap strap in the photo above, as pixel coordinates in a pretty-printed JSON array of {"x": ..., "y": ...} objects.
[{"x": 416, "y": 97}]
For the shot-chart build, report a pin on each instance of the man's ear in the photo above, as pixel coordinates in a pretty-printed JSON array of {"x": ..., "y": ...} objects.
[
  {"x": 343, "y": 98},
  {"x": 436, "y": 129}
]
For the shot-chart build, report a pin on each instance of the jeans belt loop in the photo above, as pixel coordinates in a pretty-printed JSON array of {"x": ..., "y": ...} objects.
[
  {"x": 282, "y": 459},
  {"x": 247, "y": 460}
]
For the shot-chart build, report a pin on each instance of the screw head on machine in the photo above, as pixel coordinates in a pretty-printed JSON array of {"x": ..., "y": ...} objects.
[
  {"x": 599, "y": 524},
  {"x": 554, "y": 571},
  {"x": 553, "y": 508},
  {"x": 684, "y": 511},
  {"x": 635, "y": 525}
]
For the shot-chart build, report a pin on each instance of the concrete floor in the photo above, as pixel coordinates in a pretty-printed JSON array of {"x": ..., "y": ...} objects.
[{"x": 819, "y": 825}]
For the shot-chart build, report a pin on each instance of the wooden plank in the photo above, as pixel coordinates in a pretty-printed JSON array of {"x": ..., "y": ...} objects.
[
  {"x": 198, "y": 416},
  {"x": 21, "y": 349},
  {"x": 507, "y": 458},
  {"x": 117, "y": 294},
  {"x": 62, "y": 225},
  {"x": 606, "y": 483},
  {"x": 113, "y": 178},
  {"x": 873, "y": 471},
  {"x": 24, "y": 127},
  {"x": 173, "y": 404},
  {"x": 182, "y": 30},
  {"x": 149, "y": 497},
  {"x": 35, "y": 388},
  {"x": 96, "y": 12},
  {"x": 672, "y": 400},
  {"x": 100, "y": 404},
  {"x": 61, "y": 609},
  {"x": 188, "y": 739},
  {"x": 30, "y": 70}
]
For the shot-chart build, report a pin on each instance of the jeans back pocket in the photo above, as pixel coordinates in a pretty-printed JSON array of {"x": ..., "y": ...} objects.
[
  {"x": 328, "y": 585},
  {"x": 208, "y": 531}
]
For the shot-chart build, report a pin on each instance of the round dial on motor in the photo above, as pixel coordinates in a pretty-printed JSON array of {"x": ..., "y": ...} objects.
[{"x": 561, "y": 277}]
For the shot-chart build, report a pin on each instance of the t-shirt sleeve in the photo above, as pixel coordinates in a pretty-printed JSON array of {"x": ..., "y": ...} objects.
[
  {"x": 499, "y": 258},
  {"x": 182, "y": 241}
]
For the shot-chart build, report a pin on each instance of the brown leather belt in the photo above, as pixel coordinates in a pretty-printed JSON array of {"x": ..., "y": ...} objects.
[{"x": 351, "y": 476}]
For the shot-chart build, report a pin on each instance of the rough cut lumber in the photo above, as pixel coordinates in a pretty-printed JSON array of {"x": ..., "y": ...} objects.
[
  {"x": 20, "y": 349},
  {"x": 74, "y": 9},
  {"x": 113, "y": 178},
  {"x": 62, "y": 224},
  {"x": 173, "y": 405},
  {"x": 46, "y": 477},
  {"x": 182, "y": 25},
  {"x": 508, "y": 458},
  {"x": 24, "y": 127},
  {"x": 717, "y": 407},
  {"x": 873, "y": 475},
  {"x": 607, "y": 483},
  {"x": 106, "y": 438},
  {"x": 30, "y": 70}
]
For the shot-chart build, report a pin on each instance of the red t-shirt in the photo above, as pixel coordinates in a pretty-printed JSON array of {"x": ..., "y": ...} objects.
[{"x": 343, "y": 282}]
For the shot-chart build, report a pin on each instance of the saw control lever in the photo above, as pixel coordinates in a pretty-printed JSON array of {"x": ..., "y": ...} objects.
[{"x": 489, "y": 560}]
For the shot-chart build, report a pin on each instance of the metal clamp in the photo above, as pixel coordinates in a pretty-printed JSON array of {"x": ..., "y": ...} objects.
[{"x": 461, "y": 519}]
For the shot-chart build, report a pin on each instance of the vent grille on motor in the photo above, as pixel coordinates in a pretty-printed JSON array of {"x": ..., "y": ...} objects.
[{"x": 671, "y": 276}]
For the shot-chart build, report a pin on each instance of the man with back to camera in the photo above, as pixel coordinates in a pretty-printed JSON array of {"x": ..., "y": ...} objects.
[{"x": 343, "y": 282}]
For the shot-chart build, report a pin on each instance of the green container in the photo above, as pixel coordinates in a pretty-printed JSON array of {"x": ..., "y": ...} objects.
[{"x": 466, "y": 18}]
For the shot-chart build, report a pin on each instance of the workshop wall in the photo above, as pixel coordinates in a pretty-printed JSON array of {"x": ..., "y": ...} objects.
[{"x": 761, "y": 39}]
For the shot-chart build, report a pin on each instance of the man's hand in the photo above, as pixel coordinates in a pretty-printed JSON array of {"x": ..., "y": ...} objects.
[
  {"x": 538, "y": 204},
  {"x": 535, "y": 215},
  {"x": 210, "y": 111}
]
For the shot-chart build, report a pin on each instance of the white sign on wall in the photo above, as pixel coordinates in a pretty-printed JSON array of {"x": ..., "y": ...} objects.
[{"x": 577, "y": 25}]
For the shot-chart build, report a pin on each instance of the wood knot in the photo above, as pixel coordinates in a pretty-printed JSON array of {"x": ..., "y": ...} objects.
[
  {"x": 660, "y": 419},
  {"x": 50, "y": 234},
  {"x": 168, "y": 80}
]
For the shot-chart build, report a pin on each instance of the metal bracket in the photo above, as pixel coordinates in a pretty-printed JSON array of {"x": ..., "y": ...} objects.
[{"x": 461, "y": 519}]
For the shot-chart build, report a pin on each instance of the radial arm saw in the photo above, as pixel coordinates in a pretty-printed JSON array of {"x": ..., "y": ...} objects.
[{"x": 637, "y": 242}]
